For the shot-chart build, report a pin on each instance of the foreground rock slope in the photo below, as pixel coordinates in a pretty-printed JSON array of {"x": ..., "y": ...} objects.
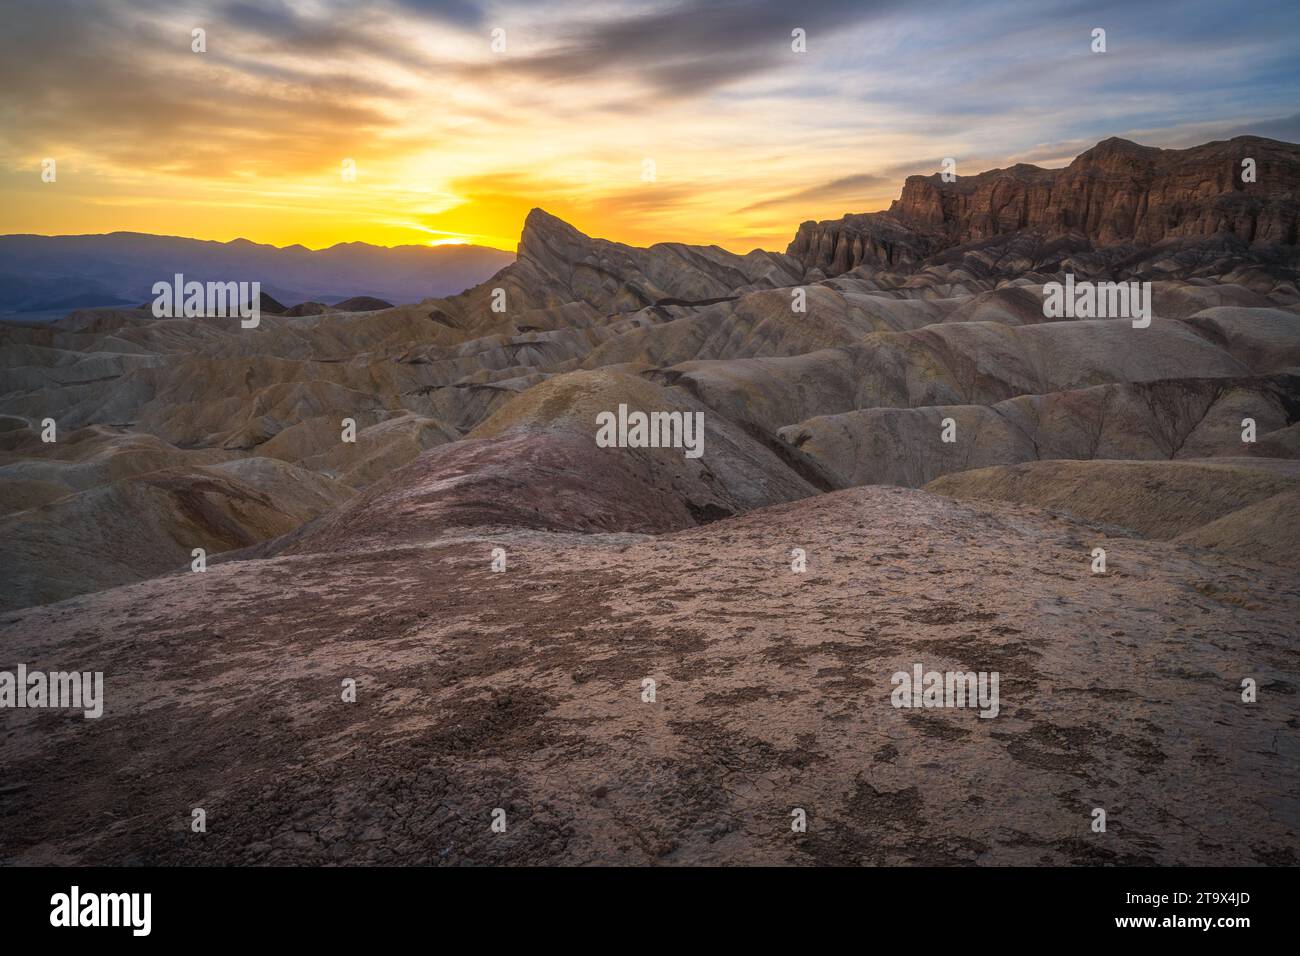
[{"x": 523, "y": 690}]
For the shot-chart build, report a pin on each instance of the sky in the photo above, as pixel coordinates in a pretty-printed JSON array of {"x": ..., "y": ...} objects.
[{"x": 690, "y": 121}]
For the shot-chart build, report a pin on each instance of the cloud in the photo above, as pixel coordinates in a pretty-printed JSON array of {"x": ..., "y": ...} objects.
[
  {"x": 846, "y": 188},
  {"x": 694, "y": 47},
  {"x": 71, "y": 89},
  {"x": 462, "y": 13},
  {"x": 1285, "y": 128}
]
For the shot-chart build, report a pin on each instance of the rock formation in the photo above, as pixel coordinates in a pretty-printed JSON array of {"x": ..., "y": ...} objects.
[{"x": 1115, "y": 193}]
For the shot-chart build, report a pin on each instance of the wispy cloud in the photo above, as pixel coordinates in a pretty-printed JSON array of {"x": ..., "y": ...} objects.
[{"x": 848, "y": 188}]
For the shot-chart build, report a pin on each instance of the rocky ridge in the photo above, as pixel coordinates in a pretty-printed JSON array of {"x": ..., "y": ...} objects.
[{"x": 1117, "y": 194}]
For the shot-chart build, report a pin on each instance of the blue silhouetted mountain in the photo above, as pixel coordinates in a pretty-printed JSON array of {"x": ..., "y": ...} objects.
[{"x": 53, "y": 273}]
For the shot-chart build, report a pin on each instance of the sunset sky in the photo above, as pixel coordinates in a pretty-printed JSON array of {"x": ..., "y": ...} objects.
[{"x": 455, "y": 142}]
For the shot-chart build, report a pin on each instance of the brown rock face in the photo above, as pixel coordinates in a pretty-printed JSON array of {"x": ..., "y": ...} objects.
[{"x": 1117, "y": 192}]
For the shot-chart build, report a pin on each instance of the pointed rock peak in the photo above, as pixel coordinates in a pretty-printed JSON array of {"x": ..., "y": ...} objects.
[
  {"x": 537, "y": 216},
  {"x": 542, "y": 231},
  {"x": 542, "y": 221}
]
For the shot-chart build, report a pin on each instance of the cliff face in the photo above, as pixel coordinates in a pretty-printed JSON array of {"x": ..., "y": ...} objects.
[{"x": 1116, "y": 192}]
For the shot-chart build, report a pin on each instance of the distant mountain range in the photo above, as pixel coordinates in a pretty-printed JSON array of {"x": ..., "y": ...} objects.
[{"x": 56, "y": 274}]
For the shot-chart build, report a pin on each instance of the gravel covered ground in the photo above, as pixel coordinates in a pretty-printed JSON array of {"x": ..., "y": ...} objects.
[{"x": 523, "y": 690}]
